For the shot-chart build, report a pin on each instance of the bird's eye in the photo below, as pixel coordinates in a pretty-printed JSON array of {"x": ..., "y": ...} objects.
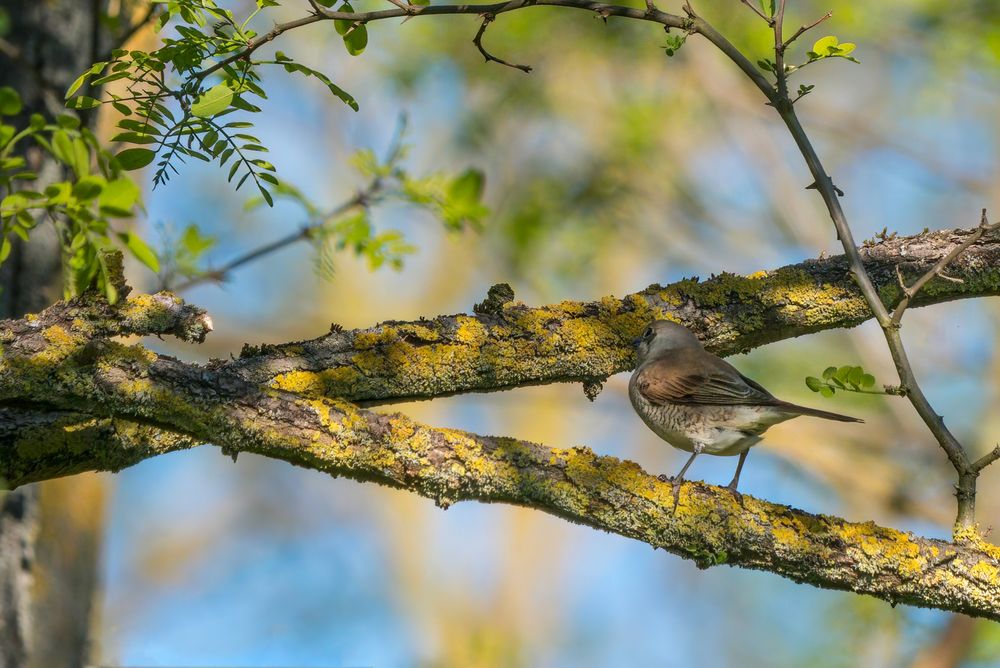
[{"x": 648, "y": 333}]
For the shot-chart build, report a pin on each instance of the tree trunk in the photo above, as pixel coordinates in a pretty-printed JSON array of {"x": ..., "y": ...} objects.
[{"x": 48, "y": 557}]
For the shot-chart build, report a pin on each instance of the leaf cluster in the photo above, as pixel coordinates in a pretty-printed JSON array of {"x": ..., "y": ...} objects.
[
  {"x": 455, "y": 200},
  {"x": 82, "y": 206},
  {"x": 846, "y": 378},
  {"x": 177, "y": 101}
]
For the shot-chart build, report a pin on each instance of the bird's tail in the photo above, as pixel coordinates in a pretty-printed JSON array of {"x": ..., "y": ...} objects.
[{"x": 815, "y": 412}]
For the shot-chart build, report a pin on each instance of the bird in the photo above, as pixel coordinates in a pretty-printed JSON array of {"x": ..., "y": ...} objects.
[{"x": 699, "y": 403}]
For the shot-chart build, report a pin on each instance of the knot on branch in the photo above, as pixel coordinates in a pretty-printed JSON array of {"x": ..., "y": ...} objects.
[
  {"x": 592, "y": 387},
  {"x": 497, "y": 296},
  {"x": 88, "y": 318}
]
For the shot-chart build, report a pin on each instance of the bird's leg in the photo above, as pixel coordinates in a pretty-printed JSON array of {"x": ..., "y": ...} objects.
[
  {"x": 736, "y": 478},
  {"x": 679, "y": 478}
]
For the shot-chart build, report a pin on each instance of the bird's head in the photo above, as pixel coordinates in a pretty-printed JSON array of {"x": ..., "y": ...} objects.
[{"x": 661, "y": 336}]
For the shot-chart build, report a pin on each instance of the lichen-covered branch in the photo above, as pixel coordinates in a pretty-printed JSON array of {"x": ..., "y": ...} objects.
[
  {"x": 707, "y": 525},
  {"x": 93, "y": 318},
  {"x": 504, "y": 346},
  {"x": 111, "y": 405},
  {"x": 41, "y": 444}
]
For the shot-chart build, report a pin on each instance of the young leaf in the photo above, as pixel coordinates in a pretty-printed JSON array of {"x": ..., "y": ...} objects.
[
  {"x": 140, "y": 250},
  {"x": 814, "y": 384},
  {"x": 355, "y": 36},
  {"x": 10, "y": 101}
]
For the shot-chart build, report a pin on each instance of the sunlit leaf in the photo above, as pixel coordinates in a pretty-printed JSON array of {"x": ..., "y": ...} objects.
[{"x": 214, "y": 100}]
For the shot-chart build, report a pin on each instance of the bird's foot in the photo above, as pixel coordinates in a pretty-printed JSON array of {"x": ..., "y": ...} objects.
[
  {"x": 675, "y": 483},
  {"x": 736, "y": 495},
  {"x": 663, "y": 477}
]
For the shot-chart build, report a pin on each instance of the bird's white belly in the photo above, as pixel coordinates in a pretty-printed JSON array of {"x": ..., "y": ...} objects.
[{"x": 721, "y": 430}]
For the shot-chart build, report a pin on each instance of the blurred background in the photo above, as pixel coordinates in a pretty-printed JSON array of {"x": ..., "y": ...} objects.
[{"x": 609, "y": 167}]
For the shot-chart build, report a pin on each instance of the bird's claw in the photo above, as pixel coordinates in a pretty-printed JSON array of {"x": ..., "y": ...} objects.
[
  {"x": 675, "y": 483},
  {"x": 736, "y": 495}
]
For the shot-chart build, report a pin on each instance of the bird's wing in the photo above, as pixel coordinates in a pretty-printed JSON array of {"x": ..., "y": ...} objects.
[{"x": 696, "y": 377}]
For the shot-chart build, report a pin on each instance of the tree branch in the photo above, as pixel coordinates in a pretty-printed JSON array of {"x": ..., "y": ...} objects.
[
  {"x": 706, "y": 525},
  {"x": 938, "y": 269},
  {"x": 492, "y": 9},
  {"x": 514, "y": 345}
]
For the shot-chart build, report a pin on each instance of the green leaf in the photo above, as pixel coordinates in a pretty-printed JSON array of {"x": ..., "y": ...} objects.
[
  {"x": 355, "y": 39},
  {"x": 83, "y": 102},
  {"x": 10, "y": 101},
  {"x": 91, "y": 71},
  {"x": 135, "y": 138},
  {"x": 140, "y": 250},
  {"x": 62, "y": 147},
  {"x": 88, "y": 188},
  {"x": 135, "y": 158},
  {"x": 674, "y": 43},
  {"x": 68, "y": 122},
  {"x": 213, "y": 101},
  {"x": 814, "y": 384},
  {"x": 5, "y": 247},
  {"x": 467, "y": 187},
  {"x": 266, "y": 195},
  {"x": 826, "y": 391},
  {"x": 855, "y": 375},
  {"x": 867, "y": 380},
  {"x": 828, "y": 372},
  {"x": 118, "y": 197},
  {"x": 823, "y": 45}
]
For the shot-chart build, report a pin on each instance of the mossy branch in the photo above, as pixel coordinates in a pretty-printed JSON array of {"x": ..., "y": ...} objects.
[
  {"x": 515, "y": 345},
  {"x": 75, "y": 400},
  {"x": 706, "y": 525}
]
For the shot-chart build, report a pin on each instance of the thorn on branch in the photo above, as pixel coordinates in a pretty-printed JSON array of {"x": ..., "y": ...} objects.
[
  {"x": 815, "y": 186},
  {"x": 411, "y": 10},
  {"x": 478, "y": 41}
]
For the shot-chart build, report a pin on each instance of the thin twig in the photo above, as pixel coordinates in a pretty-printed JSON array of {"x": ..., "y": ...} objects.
[
  {"x": 802, "y": 29},
  {"x": 986, "y": 459},
  {"x": 779, "y": 51},
  {"x": 478, "y": 41},
  {"x": 601, "y": 8},
  {"x": 936, "y": 271},
  {"x": 770, "y": 21},
  {"x": 966, "y": 487}
]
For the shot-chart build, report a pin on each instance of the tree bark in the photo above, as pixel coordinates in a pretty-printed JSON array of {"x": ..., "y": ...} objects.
[
  {"x": 48, "y": 45},
  {"x": 506, "y": 345}
]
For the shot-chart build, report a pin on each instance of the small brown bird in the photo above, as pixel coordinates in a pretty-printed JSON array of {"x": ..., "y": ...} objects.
[{"x": 698, "y": 402}]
